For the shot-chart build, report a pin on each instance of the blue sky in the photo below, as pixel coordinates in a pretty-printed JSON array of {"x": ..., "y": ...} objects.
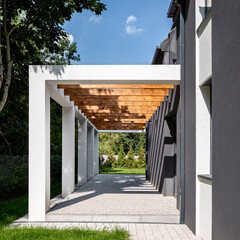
[{"x": 127, "y": 33}]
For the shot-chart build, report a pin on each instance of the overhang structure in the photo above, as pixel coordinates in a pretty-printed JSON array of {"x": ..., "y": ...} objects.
[{"x": 102, "y": 98}]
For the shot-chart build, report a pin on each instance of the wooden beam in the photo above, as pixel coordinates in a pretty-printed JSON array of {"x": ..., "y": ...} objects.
[
  {"x": 105, "y": 120},
  {"x": 120, "y": 103},
  {"x": 118, "y": 111},
  {"x": 120, "y": 128},
  {"x": 117, "y": 98},
  {"x": 118, "y": 116},
  {"x": 116, "y": 86},
  {"x": 116, "y": 92},
  {"x": 120, "y": 108}
]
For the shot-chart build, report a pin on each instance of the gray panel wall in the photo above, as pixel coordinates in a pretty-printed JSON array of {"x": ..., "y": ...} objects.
[
  {"x": 190, "y": 113},
  {"x": 161, "y": 137},
  {"x": 226, "y": 120}
]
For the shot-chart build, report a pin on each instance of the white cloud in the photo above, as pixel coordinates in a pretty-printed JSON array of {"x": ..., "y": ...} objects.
[
  {"x": 131, "y": 19},
  {"x": 131, "y": 27},
  {"x": 70, "y": 38},
  {"x": 95, "y": 19}
]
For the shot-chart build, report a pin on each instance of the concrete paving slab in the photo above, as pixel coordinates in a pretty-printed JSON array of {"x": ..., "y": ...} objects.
[{"x": 116, "y": 198}]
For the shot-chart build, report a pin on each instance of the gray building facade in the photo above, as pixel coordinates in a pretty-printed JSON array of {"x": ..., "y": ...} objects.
[{"x": 204, "y": 128}]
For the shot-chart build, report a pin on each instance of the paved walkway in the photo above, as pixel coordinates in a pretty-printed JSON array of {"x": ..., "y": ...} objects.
[
  {"x": 112, "y": 200},
  {"x": 116, "y": 198}
]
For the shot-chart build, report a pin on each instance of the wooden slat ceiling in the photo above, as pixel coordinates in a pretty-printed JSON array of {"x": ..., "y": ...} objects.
[{"x": 117, "y": 107}]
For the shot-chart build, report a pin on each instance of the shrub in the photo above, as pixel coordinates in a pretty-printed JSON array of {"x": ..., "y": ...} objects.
[
  {"x": 130, "y": 159},
  {"x": 14, "y": 175},
  {"x": 121, "y": 157},
  {"x": 110, "y": 160},
  {"x": 140, "y": 162}
]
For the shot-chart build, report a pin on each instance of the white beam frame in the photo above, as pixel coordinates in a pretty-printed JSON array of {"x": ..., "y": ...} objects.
[{"x": 43, "y": 82}]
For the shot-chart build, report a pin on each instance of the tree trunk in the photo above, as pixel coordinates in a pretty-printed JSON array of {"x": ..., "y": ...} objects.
[{"x": 8, "y": 57}]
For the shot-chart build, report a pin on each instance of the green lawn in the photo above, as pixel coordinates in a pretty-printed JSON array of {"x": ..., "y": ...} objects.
[
  {"x": 66, "y": 234},
  {"x": 104, "y": 170},
  {"x": 15, "y": 208}
]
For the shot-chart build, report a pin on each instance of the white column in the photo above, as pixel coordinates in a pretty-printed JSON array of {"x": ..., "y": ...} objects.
[
  {"x": 90, "y": 152},
  {"x": 82, "y": 152},
  {"x": 39, "y": 149},
  {"x": 68, "y": 150},
  {"x": 96, "y": 153}
]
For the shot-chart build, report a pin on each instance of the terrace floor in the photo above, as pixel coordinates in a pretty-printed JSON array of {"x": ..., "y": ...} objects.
[{"x": 127, "y": 201}]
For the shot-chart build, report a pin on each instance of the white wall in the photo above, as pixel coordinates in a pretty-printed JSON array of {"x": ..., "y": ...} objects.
[
  {"x": 205, "y": 213},
  {"x": 203, "y": 121}
]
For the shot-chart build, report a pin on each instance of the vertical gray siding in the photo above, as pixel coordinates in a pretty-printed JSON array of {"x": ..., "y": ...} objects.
[
  {"x": 226, "y": 120},
  {"x": 161, "y": 137},
  {"x": 190, "y": 116}
]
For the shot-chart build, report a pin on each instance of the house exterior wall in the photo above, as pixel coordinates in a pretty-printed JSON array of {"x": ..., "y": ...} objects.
[
  {"x": 226, "y": 120},
  {"x": 190, "y": 115},
  {"x": 160, "y": 144}
]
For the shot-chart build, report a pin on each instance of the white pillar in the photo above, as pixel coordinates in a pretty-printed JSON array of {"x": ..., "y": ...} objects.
[
  {"x": 82, "y": 152},
  {"x": 96, "y": 153},
  {"x": 90, "y": 152},
  {"x": 68, "y": 150},
  {"x": 39, "y": 149}
]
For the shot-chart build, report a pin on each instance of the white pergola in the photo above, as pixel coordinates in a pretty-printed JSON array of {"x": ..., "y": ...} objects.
[{"x": 43, "y": 81}]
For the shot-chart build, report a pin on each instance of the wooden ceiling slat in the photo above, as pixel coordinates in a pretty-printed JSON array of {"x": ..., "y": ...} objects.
[
  {"x": 117, "y": 98},
  {"x": 120, "y": 117},
  {"x": 116, "y": 111},
  {"x": 115, "y": 86},
  {"x": 110, "y": 103},
  {"x": 116, "y": 115},
  {"x": 120, "y": 108},
  {"x": 116, "y": 92},
  {"x": 117, "y": 106},
  {"x": 119, "y": 120}
]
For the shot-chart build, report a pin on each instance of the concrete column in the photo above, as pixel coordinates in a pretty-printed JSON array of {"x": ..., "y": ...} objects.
[
  {"x": 39, "y": 149},
  {"x": 82, "y": 152},
  {"x": 68, "y": 150},
  {"x": 90, "y": 152},
  {"x": 96, "y": 153}
]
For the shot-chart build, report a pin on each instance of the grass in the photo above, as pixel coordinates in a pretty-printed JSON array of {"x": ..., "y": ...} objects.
[
  {"x": 15, "y": 208},
  {"x": 64, "y": 234},
  {"x": 105, "y": 170}
]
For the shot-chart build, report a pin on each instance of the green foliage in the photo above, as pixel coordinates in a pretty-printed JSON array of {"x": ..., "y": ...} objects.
[
  {"x": 108, "y": 170},
  {"x": 15, "y": 208},
  {"x": 129, "y": 163},
  {"x": 46, "y": 43},
  {"x": 113, "y": 141},
  {"x": 121, "y": 157},
  {"x": 110, "y": 161},
  {"x": 140, "y": 162},
  {"x": 14, "y": 175}
]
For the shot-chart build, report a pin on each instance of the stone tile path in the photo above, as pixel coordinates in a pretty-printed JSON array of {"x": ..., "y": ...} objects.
[{"x": 116, "y": 200}]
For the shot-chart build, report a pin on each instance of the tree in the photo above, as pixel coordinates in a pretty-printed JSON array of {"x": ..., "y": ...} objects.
[
  {"x": 140, "y": 162},
  {"x": 130, "y": 158},
  {"x": 42, "y": 22},
  {"x": 110, "y": 160},
  {"x": 14, "y": 117},
  {"x": 121, "y": 157}
]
